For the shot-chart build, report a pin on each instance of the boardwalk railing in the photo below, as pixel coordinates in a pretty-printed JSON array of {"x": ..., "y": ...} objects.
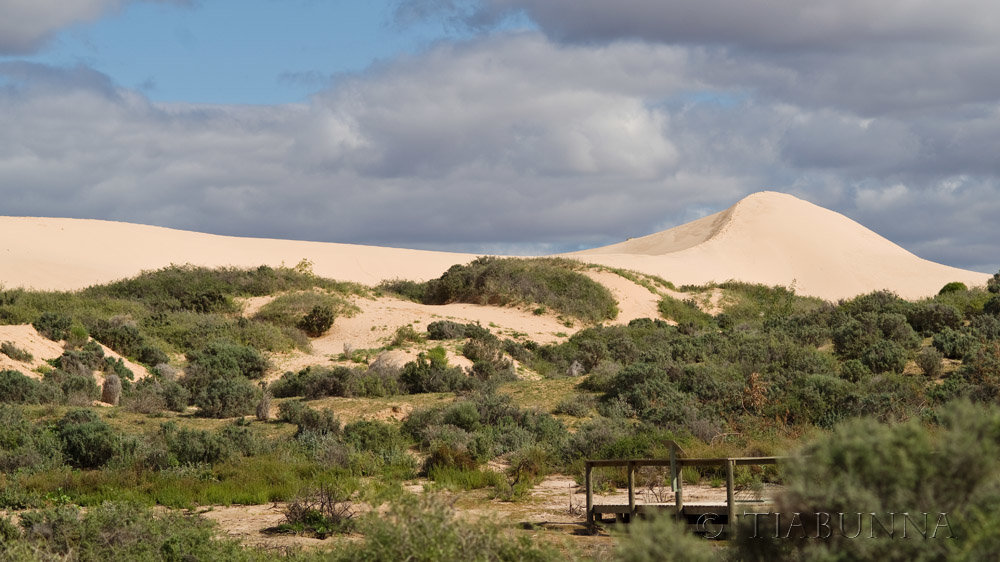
[{"x": 675, "y": 464}]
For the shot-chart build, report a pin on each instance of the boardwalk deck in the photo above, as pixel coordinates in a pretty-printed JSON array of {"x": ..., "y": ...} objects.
[{"x": 699, "y": 515}]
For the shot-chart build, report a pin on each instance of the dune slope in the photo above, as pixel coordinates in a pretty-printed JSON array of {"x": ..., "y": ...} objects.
[
  {"x": 778, "y": 239},
  {"x": 768, "y": 237}
]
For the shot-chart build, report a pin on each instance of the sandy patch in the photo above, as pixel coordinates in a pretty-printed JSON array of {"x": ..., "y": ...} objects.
[{"x": 375, "y": 325}]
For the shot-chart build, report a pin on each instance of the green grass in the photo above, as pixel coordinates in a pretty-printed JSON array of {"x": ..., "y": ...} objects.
[
  {"x": 288, "y": 309},
  {"x": 461, "y": 479},
  {"x": 261, "y": 479},
  {"x": 683, "y": 312}
]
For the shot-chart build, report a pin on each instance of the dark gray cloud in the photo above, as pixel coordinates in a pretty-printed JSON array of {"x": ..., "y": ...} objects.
[
  {"x": 26, "y": 25},
  {"x": 759, "y": 24}
]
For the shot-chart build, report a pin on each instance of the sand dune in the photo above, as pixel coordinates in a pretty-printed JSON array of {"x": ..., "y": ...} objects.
[
  {"x": 768, "y": 237},
  {"x": 777, "y": 239}
]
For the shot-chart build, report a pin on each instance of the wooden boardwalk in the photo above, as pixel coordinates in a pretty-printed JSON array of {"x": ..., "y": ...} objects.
[{"x": 700, "y": 515}]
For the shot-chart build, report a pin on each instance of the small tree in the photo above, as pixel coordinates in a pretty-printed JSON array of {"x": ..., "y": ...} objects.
[
  {"x": 317, "y": 321},
  {"x": 993, "y": 285}
]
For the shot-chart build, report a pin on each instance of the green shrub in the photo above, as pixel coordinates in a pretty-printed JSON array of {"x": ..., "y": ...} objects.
[
  {"x": 225, "y": 360},
  {"x": 430, "y": 372},
  {"x": 854, "y": 370},
  {"x": 900, "y": 468},
  {"x": 380, "y": 438},
  {"x": 71, "y": 386},
  {"x": 929, "y": 361},
  {"x": 684, "y": 312},
  {"x": 87, "y": 441},
  {"x": 445, "y": 330},
  {"x": 16, "y": 353},
  {"x": 662, "y": 539},
  {"x": 981, "y": 370},
  {"x": 309, "y": 420},
  {"x": 954, "y": 344},
  {"x": 404, "y": 335},
  {"x": 952, "y": 287},
  {"x": 931, "y": 317},
  {"x": 425, "y": 528},
  {"x": 552, "y": 282},
  {"x": 121, "y": 532},
  {"x": 317, "y": 321},
  {"x": 194, "y": 446},
  {"x": 291, "y": 310},
  {"x": 226, "y": 398},
  {"x": 885, "y": 356},
  {"x": 322, "y": 510},
  {"x": 53, "y": 326},
  {"x": 577, "y": 406},
  {"x": 15, "y": 388},
  {"x": 992, "y": 306},
  {"x": 25, "y": 446}
]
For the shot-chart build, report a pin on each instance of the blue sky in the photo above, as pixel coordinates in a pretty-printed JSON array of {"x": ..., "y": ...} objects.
[
  {"x": 240, "y": 51},
  {"x": 507, "y": 126}
]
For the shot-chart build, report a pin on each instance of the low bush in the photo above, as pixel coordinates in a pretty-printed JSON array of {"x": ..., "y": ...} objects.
[
  {"x": 318, "y": 321},
  {"x": 555, "y": 283},
  {"x": 684, "y": 312},
  {"x": 882, "y": 469},
  {"x": 424, "y": 528},
  {"x": 26, "y": 446},
  {"x": 445, "y": 330},
  {"x": 322, "y": 510},
  {"x": 53, "y": 326},
  {"x": 15, "y": 388},
  {"x": 16, "y": 353},
  {"x": 225, "y": 360},
  {"x": 952, "y": 287},
  {"x": 226, "y": 398},
  {"x": 929, "y": 361},
  {"x": 87, "y": 441},
  {"x": 430, "y": 372},
  {"x": 308, "y": 419},
  {"x": 121, "y": 532}
]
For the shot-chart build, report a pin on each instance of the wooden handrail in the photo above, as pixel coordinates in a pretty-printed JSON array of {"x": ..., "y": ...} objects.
[{"x": 675, "y": 465}]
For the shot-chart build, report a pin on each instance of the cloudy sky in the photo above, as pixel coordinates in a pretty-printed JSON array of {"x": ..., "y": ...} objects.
[{"x": 510, "y": 126}]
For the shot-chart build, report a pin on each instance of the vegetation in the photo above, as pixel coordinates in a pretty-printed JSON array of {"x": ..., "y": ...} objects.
[
  {"x": 893, "y": 402},
  {"x": 555, "y": 283}
]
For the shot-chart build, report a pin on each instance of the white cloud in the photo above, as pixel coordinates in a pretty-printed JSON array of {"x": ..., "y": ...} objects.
[{"x": 503, "y": 142}]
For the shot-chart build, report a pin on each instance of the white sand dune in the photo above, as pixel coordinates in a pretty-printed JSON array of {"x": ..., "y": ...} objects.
[
  {"x": 777, "y": 239},
  {"x": 768, "y": 237},
  {"x": 68, "y": 254}
]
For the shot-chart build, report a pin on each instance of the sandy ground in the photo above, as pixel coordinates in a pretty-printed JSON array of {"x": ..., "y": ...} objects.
[
  {"x": 768, "y": 237},
  {"x": 555, "y": 502},
  {"x": 25, "y": 337},
  {"x": 777, "y": 239}
]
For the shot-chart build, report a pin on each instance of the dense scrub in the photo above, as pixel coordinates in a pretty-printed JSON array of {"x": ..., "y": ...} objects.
[
  {"x": 873, "y": 382},
  {"x": 555, "y": 283},
  {"x": 181, "y": 308}
]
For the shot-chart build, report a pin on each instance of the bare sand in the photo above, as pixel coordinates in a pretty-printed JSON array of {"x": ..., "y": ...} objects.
[
  {"x": 768, "y": 237},
  {"x": 778, "y": 239}
]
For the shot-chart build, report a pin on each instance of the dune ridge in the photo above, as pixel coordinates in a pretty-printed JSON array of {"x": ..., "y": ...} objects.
[
  {"x": 778, "y": 239},
  {"x": 767, "y": 237}
]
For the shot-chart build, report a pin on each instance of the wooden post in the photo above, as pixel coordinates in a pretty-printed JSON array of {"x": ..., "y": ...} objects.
[
  {"x": 676, "y": 481},
  {"x": 631, "y": 491},
  {"x": 730, "y": 500},
  {"x": 590, "y": 492}
]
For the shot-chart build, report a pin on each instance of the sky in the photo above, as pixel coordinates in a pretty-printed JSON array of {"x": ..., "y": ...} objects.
[{"x": 503, "y": 126}]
